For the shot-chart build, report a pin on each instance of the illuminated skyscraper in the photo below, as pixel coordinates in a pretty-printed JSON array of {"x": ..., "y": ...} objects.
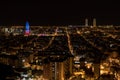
[
  {"x": 94, "y": 22},
  {"x": 86, "y": 22},
  {"x": 27, "y": 28}
]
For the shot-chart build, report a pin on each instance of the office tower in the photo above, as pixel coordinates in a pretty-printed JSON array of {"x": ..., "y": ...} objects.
[
  {"x": 94, "y": 22},
  {"x": 27, "y": 28},
  {"x": 57, "y": 71},
  {"x": 53, "y": 71},
  {"x": 86, "y": 22}
]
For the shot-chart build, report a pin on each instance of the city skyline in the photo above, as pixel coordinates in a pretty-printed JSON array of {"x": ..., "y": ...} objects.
[
  {"x": 60, "y": 52},
  {"x": 62, "y": 41}
]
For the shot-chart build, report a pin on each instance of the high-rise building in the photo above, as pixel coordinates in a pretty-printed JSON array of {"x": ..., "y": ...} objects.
[
  {"x": 94, "y": 22},
  {"x": 86, "y": 22},
  {"x": 27, "y": 28},
  {"x": 58, "y": 70}
]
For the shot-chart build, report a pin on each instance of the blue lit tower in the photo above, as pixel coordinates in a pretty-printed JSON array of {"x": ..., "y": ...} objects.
[{"x": 27, "y": 28}]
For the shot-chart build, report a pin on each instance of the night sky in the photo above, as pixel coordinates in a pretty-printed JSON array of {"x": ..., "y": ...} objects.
[{"x": 59, "y": 13}]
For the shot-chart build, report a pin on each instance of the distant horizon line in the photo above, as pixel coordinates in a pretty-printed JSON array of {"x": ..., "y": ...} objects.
[{"x": 60, "y": 25}]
